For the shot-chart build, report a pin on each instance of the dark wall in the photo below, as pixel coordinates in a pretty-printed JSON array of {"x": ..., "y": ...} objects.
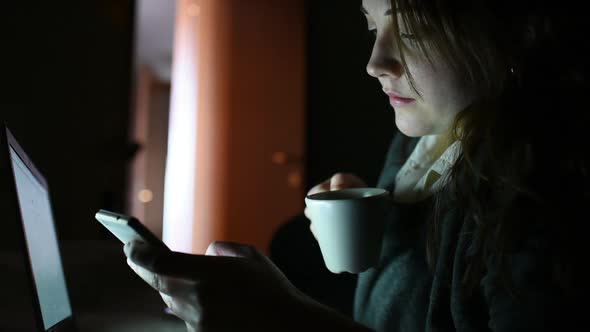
[
  {"x": 66, "y": 87},
  {"x": 65, "y": 96},
  {"x": 350, "y": 121},
  {"x": 350, "y": 125}
]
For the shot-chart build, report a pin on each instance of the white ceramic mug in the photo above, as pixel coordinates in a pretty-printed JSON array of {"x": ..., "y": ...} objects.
[{"x": 349, "y": 226}]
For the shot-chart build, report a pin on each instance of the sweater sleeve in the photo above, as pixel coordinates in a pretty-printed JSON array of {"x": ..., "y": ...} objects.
[{"x": 393, "y": 296}]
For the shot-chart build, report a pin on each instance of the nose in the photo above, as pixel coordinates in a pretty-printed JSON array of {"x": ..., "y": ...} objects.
[{"x": 383, "y": 61}]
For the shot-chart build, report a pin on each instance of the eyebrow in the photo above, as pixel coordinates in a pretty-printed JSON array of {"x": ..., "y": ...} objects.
[{"x": 387, "y": 12}]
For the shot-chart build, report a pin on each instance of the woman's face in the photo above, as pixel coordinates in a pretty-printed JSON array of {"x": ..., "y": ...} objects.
[{"x": 442, "y": 95}]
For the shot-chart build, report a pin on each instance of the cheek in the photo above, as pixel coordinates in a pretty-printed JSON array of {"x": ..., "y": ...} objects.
[{"x": 443, "y": 96}]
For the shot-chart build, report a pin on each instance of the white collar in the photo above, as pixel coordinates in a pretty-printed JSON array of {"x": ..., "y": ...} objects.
[{"x": 427, "y": 169}]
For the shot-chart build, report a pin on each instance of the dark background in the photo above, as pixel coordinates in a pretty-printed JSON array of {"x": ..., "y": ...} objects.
[
  {"x": 66, "y": 94},
  {"x": 350, "y": 121}
]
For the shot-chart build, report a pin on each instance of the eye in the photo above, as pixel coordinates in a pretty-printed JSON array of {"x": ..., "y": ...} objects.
[{"x": 373, "y": 32}]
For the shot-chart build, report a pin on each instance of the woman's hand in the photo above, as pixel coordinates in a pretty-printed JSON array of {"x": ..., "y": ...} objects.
[
  {"x": 336, "y": 182},
  {"x": 231, "y": 288}
]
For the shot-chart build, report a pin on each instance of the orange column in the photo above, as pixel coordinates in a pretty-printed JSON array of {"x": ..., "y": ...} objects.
[
  {"x": 193, "y": 189},
  {"x": 237, "y": 99}
]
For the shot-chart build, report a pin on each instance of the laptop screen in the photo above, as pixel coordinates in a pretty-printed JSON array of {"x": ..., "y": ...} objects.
[{"x": 41, "y": 242}]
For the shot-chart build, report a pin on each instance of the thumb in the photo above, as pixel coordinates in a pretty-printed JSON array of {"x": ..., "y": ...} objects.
[
  {"x": 230, "y": 249},
  {"x": 345, "y": 180}
]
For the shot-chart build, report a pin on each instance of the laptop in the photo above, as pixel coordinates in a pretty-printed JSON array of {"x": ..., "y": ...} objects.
[
  {"x": 31, "y": 206},
  {"x": 47, "y": 306}
]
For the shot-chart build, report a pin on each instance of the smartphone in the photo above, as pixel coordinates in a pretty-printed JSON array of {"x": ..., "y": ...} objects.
[{"x": 127, "y": 228}]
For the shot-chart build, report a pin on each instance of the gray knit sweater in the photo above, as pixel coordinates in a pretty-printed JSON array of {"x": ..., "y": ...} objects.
[{"x": 403, "y": 294}]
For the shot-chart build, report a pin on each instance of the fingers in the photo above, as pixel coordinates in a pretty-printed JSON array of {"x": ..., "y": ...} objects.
[
  {"x": 142, "y": 254},
  {"x": 186, "y": 266},
  {"x": 345, "y": 180},
  {"x": 162, "y": 283},
  {"x": 338, "y": 181},
  {"x": 230, "y": 249},
  {"x": 324, "y": 186}
]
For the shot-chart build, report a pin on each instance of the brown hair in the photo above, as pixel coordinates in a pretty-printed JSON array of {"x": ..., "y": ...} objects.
[{"x": 504, "y": 182}]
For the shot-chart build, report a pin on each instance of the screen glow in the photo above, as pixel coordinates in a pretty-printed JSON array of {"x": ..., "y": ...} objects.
[{"x": 42, "y": 245}]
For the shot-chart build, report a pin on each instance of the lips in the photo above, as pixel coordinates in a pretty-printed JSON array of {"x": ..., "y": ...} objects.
[{"x": 396, "y": 99}]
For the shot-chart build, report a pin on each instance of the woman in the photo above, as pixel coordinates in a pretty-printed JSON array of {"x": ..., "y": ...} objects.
[{"x": 489, "y": 175}]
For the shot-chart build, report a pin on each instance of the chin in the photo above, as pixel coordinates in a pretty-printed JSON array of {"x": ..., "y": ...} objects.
[
  {"x": 411, "y": 133},
  {"x": 412, "y": 128}
]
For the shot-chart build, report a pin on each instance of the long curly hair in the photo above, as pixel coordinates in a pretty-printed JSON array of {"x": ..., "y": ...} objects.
[{"x": 525, "y": 152}]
